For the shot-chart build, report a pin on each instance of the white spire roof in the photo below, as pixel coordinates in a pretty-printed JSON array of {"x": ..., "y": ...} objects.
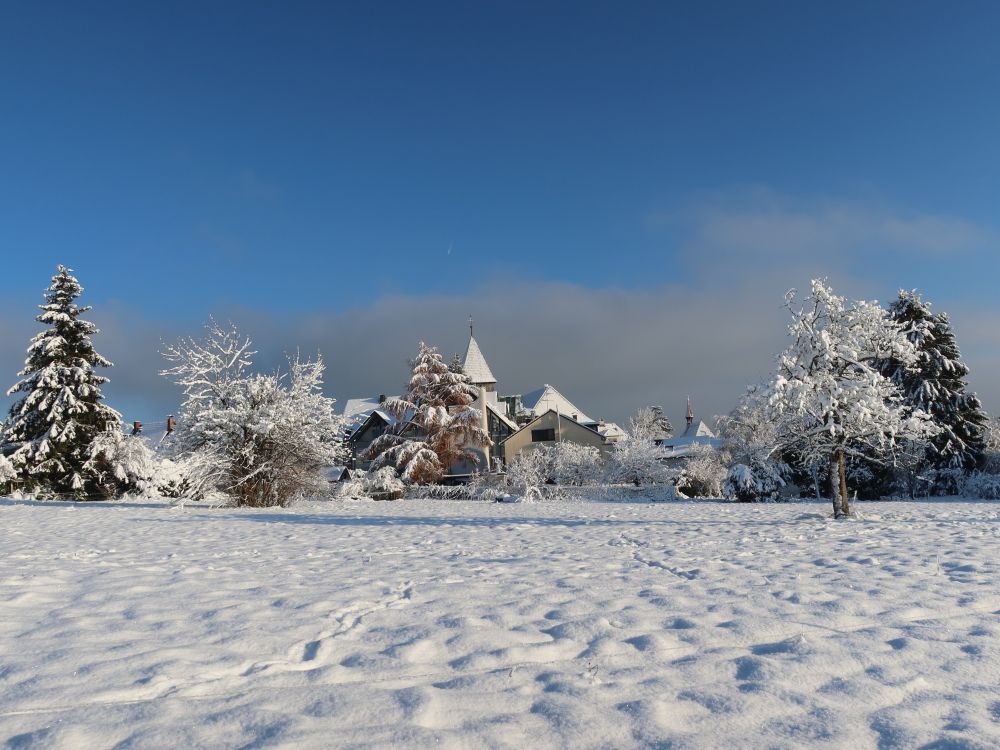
[{"x": 475, "y": 365}]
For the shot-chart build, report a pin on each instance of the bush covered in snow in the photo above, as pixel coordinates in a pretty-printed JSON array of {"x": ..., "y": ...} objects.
[
  {"x": 639, "y": 462},
  {"x": 981, "y": 485},
  {"x": 383, "y": 481},
  {"x": 261, "y": 440},
  {"x": 704, "y": 472},
  {"x": 573, "y": 465},
  {"x": 528, "y": 473},
  {"x": 554, "y": 465},
  {"x": 991, "y": 454},
  {"x": 7, "y": 473},
  {"x": 121, "y": 464},
  {"x": 749, "y": 484}
]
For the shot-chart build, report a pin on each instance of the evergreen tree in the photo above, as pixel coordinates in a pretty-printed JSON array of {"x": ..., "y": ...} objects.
[
  {"x": 456, "y": 365},
  {"x": 438, "y": 405},
  {"x": 935, "y": 383},
  {"x": 661, "y": 423},
  {"x": 50, "y": 429}
]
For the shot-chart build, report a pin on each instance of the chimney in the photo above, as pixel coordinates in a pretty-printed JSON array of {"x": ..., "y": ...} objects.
[
  {"x": 136, "y": 428},
  {"x": 381, "y": 398}
]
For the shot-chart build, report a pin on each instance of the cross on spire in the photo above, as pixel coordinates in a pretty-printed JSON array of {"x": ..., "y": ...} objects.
[{"x": 470, "y": 325}]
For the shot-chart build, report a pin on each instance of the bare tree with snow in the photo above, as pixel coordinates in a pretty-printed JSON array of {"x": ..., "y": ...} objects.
[
  {"x": 637, "y": 459},
  {"x": 828, "y": 399},
  {"x": 652, "y": 422},
  {"x": 262, "y": 440}
]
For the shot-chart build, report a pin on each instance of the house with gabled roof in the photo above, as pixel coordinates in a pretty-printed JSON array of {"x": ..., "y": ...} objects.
[
  {"x": 551, "y": 427},
  {"x": 696, "y": 436}
]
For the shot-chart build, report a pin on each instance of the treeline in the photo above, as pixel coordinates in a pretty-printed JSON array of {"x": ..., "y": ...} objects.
[{"x": 865, "y": 401}]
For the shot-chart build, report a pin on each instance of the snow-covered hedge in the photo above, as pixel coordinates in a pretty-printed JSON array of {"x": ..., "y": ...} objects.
[
  {"x": 703, "y": 473},
  {"x": 759, "y": 483},
  {"x": 534, "y": 471},
  {"x": 982, "y": 485}
]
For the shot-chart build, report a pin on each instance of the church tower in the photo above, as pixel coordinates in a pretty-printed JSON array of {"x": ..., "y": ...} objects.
[{"x": 476, "y": 367}]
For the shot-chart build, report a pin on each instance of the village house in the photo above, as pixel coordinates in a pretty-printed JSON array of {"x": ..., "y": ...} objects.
[{"x": 514, "y": 423}]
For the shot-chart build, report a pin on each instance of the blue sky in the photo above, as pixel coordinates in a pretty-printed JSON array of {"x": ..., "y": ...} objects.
[{"x": 304, "y": 159}]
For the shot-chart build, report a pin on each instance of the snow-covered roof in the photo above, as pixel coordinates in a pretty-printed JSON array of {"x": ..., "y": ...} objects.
[
  {"x": 697, "y": 434},
  {"x": 359, "y": 407},
  {"x": 698, "y": 429},
  {"x": 337, "y": 473},
  {"x": 548, "y": 398},
  {"x": 610, "y": 431},
  {"x": 501, "y": 414},
  {"x": 357, "y": 411},
  {"x": 475, "y": 365}
]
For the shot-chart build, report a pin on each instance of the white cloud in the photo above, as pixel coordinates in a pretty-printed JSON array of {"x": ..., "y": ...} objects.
[{"x": 610, "y": 350}]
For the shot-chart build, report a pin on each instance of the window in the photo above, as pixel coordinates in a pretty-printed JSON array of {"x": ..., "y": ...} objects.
[{"x": 543, "y": 436}]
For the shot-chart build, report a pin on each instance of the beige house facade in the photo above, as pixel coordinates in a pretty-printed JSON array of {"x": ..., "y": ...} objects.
[{"x": 548, "y": 428}]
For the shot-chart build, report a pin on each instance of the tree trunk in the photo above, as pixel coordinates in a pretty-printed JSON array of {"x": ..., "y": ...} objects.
[
  {"x": 842, "y": 473},
  {"x": 834, "y": 485}
]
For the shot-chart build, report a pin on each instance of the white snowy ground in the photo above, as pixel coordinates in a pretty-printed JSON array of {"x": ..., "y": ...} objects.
[{"x": 463, "y": 624}]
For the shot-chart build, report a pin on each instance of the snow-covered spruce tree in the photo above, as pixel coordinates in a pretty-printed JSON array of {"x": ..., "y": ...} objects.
[
  {"x": 51, "y": 427},
  {"x": 437, "y": 408},
  {"x": 260, "y": 440},
  {"x": 935, "y": 383},
  {"x": 828, "y": 399},
  {"x": 456, "y": 364}
]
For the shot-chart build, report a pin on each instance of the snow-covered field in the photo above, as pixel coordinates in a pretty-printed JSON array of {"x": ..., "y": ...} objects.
[{"x": 460, "y": 624}]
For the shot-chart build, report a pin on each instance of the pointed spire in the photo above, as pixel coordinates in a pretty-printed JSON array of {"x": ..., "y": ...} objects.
[{"x": 475, "y": 365}]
